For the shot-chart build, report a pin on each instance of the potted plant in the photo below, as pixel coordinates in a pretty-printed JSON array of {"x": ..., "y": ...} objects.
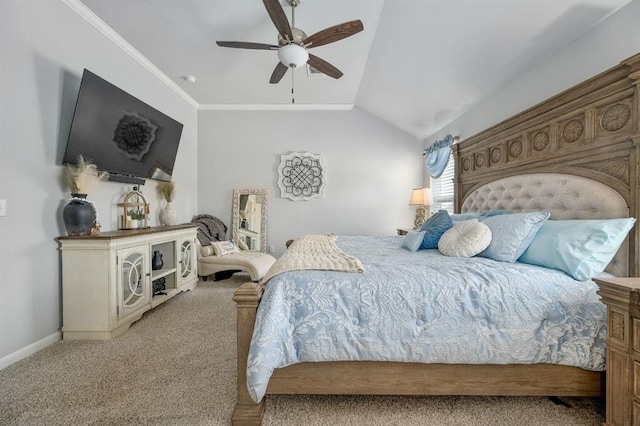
[
  {"x": 168, "y": 215},
  {"x": 136, "y": 216},
  {"x": 80, "y": 215}
]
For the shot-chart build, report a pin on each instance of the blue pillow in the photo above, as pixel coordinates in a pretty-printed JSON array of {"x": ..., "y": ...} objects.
[
  {"x": 512, "y": 234},
  {"x": 581, "y": 248},
  {"x": 412, "y": 240},
  {"x": 433, "y": 229}
]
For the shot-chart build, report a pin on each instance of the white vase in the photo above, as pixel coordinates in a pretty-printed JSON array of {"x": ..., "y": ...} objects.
[
  {"x": 134, "y": 224},
  {"x": 169, "y": 215}
]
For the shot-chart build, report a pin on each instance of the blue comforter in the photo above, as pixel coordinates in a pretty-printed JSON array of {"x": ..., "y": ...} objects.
[{"x": 425, "y": 307}]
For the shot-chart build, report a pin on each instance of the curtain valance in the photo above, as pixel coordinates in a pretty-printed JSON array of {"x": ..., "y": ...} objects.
[{"x": 437, "y": 155}]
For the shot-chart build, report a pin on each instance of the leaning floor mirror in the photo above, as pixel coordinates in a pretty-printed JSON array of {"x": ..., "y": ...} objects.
[{"x": 249, "y": 228}]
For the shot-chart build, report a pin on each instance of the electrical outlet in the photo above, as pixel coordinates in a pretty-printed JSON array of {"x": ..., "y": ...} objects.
[
  {"x": 272, "y": 248},
  {"x": 3, "y": 207}
]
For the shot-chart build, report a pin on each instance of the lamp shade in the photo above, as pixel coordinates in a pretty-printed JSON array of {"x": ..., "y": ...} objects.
[
  {"x": 293, "y": 56},
  {"x": 421, "y": 197}
]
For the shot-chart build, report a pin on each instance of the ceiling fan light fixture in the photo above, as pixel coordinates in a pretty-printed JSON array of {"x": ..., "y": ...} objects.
[{"x": 293, "y": 56}]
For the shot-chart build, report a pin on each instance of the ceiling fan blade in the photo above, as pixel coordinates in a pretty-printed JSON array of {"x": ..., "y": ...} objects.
[
  {"x": 324, "y": 67},
  {"x": 279, "y": 18},
  {"x": 279, "y": 72},
  {"x": 246, "y": 45},
  {"x": 335, "y": 33}
]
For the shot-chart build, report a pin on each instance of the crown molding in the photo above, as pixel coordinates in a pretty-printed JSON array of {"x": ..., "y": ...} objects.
[
  {"x": 119, "y": 41},
  {"x": 275, "y": 107}
]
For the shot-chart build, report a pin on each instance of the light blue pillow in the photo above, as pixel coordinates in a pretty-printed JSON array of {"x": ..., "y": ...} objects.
[
  {"x": 412, "y": 240},
  {"x": 512, "y": 234},
  {"x": 434, "y": 227},
  {"x": 581, "y": 248},
  {"x": 465, "y": 216},
  {"x": 477, "y": 215}
]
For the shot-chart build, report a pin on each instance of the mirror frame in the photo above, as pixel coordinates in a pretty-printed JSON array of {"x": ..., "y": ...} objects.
[{"x": 236, "y": 215}]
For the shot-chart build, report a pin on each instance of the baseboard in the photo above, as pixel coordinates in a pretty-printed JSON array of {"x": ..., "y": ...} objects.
[{"x": 29, "y": 350}]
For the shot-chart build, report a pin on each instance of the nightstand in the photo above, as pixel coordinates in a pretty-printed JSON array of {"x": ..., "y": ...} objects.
[{"x": 622, "y": 297}]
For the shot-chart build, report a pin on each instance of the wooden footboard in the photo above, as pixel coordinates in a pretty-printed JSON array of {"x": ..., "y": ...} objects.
[{"x": 398, "y": 378}]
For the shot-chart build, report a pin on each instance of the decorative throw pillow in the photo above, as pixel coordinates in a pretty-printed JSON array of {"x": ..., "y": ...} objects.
[
  {"x": 207, "y": 251},
  {"x": 465, "y": 239},
  {"x": 222, "y": 248},
  {"x": 412, "y": 240},
  {"x": 433, "y": 229},
  {"x": 581, "y": 248},
  {"x": 512, "y": 234}
]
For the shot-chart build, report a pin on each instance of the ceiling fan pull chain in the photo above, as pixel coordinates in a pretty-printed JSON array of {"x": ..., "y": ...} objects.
[{"x": 292, "y": 96}]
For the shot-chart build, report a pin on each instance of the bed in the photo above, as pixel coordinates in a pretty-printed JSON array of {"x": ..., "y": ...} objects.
[{"x": 574, "y": 155}]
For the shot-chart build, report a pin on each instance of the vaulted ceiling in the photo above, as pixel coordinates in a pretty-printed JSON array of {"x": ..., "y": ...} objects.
[{"x": 418, "y": 64}]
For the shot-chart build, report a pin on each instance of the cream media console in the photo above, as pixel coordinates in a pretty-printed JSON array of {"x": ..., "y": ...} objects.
[{"x": 108, "y": 281}]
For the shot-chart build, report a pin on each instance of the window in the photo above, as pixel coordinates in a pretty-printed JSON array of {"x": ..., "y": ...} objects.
[{"x": 442, "y": 188}]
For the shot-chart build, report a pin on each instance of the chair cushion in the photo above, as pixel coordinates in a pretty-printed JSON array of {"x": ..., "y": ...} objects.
[{"x": 254, "y": 262}]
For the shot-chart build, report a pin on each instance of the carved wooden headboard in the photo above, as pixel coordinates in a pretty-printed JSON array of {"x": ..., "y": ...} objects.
[{"x": 591, "y": 130}]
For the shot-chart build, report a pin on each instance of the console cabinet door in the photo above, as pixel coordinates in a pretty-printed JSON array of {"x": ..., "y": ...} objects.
[
  {"x": 187, "y": 260},
  {"x": 133, "y": 279}
]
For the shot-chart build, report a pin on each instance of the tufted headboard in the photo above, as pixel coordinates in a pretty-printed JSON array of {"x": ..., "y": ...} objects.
[
  {"x": 564, "y": 196},
  {"x": 575, "y": 154}
]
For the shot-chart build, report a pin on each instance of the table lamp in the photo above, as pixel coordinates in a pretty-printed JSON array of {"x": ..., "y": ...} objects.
[{"x": 420, "y": 197}]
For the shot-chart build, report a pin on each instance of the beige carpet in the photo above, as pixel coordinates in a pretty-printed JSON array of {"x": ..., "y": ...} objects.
[{"x": 176, "y": 366}]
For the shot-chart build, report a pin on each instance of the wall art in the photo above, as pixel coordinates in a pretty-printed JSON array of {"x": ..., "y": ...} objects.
[{"x": 301, "y": 176}]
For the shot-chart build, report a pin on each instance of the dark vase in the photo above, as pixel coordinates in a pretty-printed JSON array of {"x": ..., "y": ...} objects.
[
  {"x": 156, "y": 261},
  {"x": 79, "y": 215}
]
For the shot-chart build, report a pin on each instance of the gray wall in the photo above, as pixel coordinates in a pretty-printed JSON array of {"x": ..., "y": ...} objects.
[
  {"x": 371, "y": 168},
  {"x": 604, "y": 46},
  {"x": 45, "y": 47}
]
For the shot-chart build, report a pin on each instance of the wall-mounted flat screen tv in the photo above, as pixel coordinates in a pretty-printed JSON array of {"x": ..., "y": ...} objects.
[{"x": 121, "y": 134}]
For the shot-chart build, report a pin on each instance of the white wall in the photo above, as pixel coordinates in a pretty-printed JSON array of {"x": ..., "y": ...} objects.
[
  {"x": 371, "y": 168},
  {"x": 45, "y": 47},
  {"x": 604, "y": 46}
]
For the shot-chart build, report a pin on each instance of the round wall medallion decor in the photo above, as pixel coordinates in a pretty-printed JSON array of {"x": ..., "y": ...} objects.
[
  {"x": 515, "y": 148},
  {"x": 496, "y": 154},
  {"x": 572, "y": 131},
  {"x": 479, "y": 160},
  {"x": 540, "y": 140},
  {"x": 615, "y": 118}
]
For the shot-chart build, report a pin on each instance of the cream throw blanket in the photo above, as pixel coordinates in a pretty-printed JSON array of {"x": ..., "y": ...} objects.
[{"x": 314, "y": 252}]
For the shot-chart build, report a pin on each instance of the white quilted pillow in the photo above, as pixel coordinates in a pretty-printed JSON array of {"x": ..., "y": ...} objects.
[{"x": 465, "y": 239}]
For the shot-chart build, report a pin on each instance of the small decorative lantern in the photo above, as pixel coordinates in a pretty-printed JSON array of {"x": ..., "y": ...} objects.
[{"x": 135, "y": 210}]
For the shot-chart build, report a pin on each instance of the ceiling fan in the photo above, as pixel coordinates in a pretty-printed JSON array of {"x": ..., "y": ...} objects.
[{"x": 293, "y": 42}]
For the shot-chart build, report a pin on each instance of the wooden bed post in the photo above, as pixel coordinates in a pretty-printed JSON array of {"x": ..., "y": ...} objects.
[{"x": 247, "y": 298}]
